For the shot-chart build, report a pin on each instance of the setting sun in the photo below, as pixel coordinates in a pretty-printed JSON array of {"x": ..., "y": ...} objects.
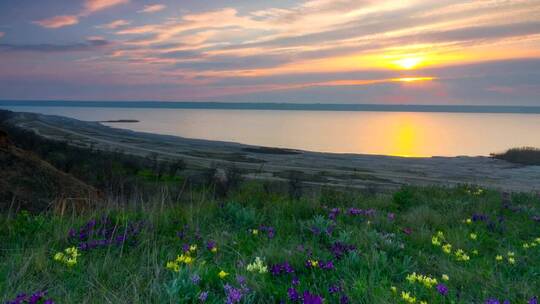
[{"x": 408, "y": 63}]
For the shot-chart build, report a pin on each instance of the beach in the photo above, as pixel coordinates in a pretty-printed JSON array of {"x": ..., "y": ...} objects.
[{"x": 315, "y": 168}]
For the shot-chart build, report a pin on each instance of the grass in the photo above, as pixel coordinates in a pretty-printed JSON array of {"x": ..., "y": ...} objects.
[
  {"x": 388, "y": 248},
  {"x": 524, "y": 156}
]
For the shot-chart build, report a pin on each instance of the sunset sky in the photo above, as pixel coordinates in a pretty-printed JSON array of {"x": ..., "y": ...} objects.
[{"x": 323, "y": 51}]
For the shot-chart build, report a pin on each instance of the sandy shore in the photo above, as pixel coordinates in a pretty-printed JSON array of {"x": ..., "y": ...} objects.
[{"x": 351, "y": 170}]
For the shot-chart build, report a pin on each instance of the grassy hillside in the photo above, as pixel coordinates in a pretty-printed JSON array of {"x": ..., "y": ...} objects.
[{"x": 418, "y": 245}]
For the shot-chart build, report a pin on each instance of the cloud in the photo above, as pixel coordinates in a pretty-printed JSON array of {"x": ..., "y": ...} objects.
[
  {"x": 90, "y": 44},
  {"x": 58, "y": 21},
  {"x": 153, "y": 8},
  {"x": 2, "y": 34},
  {"x": 114, "y": 24},
  {"x": 90, "y": 7}
]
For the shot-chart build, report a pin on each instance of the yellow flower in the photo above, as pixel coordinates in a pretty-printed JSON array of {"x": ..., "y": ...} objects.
[
  {"x": 188, "y": 260},
  {"x": 406, "y": 296},
  {"x": 59, "y": 256},
  {"x": 447, "y": 248},
  {"x": 435, "y": 241},
  {"x": 499, "y": 258},
  {"x": 71, "y": 261},
  {"x": 423, "y": 302},
  {"x": 214, "y": 250},
  {"x": 510, "y": 253},
  {"x": 193, "y": 248},
  {"x": 393, "y": 289},
  {"x": 511, "y": 260},
  {"x": 255, "y": 231},
  {"x": 526, "y": 246},
  {"x": 314, "y": 263},
  {"x": 475, "y": 252},
  {"x": 445, "y": 277},
  {"x": 468, "y": 221},
  {"x": 440, "y": 234},
  {"x": 473, "y": 236},
  {"x": 222, "y": 274},
  {"x": 173, "y": 266}
]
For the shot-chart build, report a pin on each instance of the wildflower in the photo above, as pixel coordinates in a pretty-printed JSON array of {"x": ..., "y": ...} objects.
[
  {"x": 278, "y": 269},
  {"x": 234, "y": 295},
  {"x": 295, "y": 281},
  {"x": 257, "y": 266},
  {"x": 435, "y": 241},
  {"x": 293, "y": 295},
  {"x": 499, "y": 258},
  {"x": 445, "y": 277},
  {"x": 406, "y": 296},
  {"x": 533, "y": 300},
  {"x": 468, "y": 221},
  {"x": 311, "y": 298},
  {"x": 475, "y": 252},
  {"x": 203, "y": 296},
  {"x": 423, "y": 302},
  {"x": 473, "y": 236},
  {"x": 393, "y": 289},
  {"x": 510, "y": 254},
  {"x": 344, "y": 299},
  {"x": 391, "y": 216},
  {"x": 526, "y": 246},
  {"x": 447, "y": 248},
  {"x": 313, "y": 263},
  {"x": 461, "y": 255},
  {"x": 511, "y": 260},
  {"x": 442, "y": 289},
  {"x": 255, "y": 231},
  {"x": 222, "y": 274},
  {"x": 195, "y": 279},
  {"x": 193, "y": 248},
  {"x": 211, "y": 245},
  {"x": 334, "y": 289},
  {"x": 68, "y": 257},
  {"x": 340, "y": 249}
]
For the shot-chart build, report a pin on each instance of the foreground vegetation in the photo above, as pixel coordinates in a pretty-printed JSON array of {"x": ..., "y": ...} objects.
[{"x": 418, "y": 245}]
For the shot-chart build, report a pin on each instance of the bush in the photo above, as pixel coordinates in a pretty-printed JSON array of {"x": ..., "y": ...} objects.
[{"x": 524, "y": 156}]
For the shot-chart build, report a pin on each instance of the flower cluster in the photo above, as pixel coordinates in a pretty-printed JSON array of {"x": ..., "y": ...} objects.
[
  {"x": 510, "y": 257},
  {"x": 427, "y": 281},
  {"x": 68, "y": 257},
  {"x": 281, "y": 268},
  {"x": 340, "y": 249},
  {"x": 367, "y": 212},
  {"x": 532, "y": 244},
  {"x": 185, "y": 258},
  {"x": 212, "y": 246},
  {"x": 34, "y": 298},
  {"x": 306, "y": 298},
  {"x": 233, "y": 294},
  {"x": 325, "y": 265},
  {"x": 104, "y": 232},
  {"x": 439, "y": 240},
  {"x": 257, "y": 266}
]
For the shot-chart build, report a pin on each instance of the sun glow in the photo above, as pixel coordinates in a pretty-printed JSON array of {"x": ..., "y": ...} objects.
[{"x": 408, "y": 63}]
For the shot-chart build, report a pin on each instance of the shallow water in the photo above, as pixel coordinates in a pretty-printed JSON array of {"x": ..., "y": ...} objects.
[{"x": 388, "y": 133}]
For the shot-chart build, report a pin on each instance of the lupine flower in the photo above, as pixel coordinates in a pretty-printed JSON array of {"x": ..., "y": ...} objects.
[
  {"x": 234, "y": 295},
  {"x": 334, "y": 288},
  {"x": 344, "y": 299},
  {"x": 195, "y": 279},
  {"x": 479, "y": 217},
  {"x": 295, "y": 281},
  {"x": 533, "y": 300}
]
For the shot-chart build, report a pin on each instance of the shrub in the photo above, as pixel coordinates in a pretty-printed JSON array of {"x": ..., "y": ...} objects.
[{"x": 524, "y": 156}]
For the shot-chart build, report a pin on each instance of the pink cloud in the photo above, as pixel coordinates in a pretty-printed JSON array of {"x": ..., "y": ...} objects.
[
  {"x": 114, "y": 24},
  {"x": 2, "y": 34},
  {"x": 153, "y": 8},
  {"x": 92, "y": 6},
  {"x": 58, "y": 21}
]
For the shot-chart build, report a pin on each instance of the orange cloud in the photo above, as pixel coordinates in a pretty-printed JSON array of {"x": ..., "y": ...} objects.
[
  {"x": 153, "y": 8},
  {"x": 58, "y": 21}
]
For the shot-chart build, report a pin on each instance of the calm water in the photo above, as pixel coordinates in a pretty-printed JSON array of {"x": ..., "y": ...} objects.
[{"x": 388, "y": 133}]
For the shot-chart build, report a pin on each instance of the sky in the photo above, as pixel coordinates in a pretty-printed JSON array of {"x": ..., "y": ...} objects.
[{"x": 484, "y": 52}]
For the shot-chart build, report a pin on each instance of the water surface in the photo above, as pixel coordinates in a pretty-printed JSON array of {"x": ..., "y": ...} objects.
[{"x": 387, "y": 133}]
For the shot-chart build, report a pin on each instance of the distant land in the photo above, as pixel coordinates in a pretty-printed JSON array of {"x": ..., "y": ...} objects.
[{"x": 276, "y": 106}]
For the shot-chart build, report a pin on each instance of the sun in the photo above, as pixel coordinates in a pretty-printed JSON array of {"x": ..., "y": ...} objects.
[{"x": 408, "y": 63}]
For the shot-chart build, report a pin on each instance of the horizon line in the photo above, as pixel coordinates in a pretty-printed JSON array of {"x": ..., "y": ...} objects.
[{"x": 216, "y": 105}]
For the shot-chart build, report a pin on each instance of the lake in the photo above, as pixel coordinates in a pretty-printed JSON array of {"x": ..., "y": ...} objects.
[{"x": 411, "y": 134}]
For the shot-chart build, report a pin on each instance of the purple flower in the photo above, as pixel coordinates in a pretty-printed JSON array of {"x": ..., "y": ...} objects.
[
  {"x": 478, "y": 217},
  {"x": 328, "y": 265},
  {"x": 334, "y": 212},
  {"x": 293, "y": 295},
  {"x": 203, "y": 296},
  {"x": 234, "y": 295},
  {"x": 533, "y": 300},
  {"x": 340, "y": 249},
  {"x": 195, "y": 279},
  {"x": 391, "y": 216},
  {"x": 334, "y": 288},
  {"x": 311, "y": 299},
  {"x": 442, "y": 289},
  {"x": 355, "y": 211},
  {"x": 279, "y": 269},
  {"x": 295, "y": 281},
  {"x": 36, "y": 297},
  {"x": 344, "y": 299},
  {"x": 210, "y": 245}
]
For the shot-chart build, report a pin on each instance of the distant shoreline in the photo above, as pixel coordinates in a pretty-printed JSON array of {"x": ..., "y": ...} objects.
[{"x": 277, "y": 106}]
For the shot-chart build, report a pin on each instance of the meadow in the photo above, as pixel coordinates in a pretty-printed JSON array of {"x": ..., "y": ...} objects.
[{"x": 416, "y": 245}]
